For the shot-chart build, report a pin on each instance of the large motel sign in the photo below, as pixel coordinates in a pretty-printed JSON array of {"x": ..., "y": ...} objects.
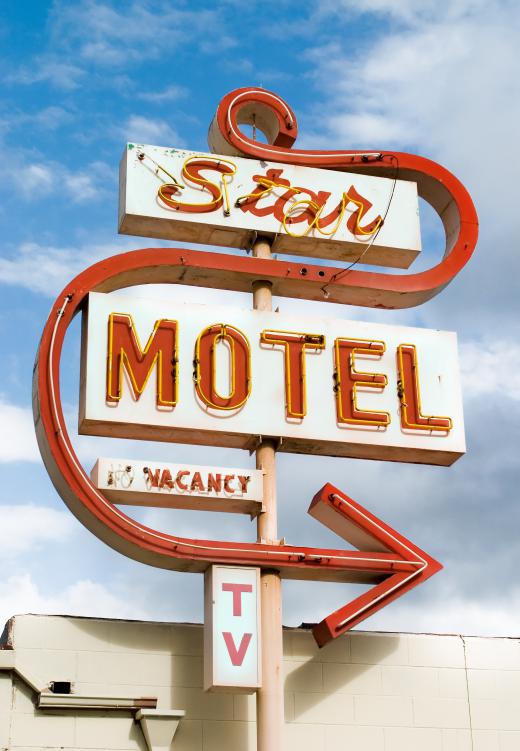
[{"x": 259, "y": 380}]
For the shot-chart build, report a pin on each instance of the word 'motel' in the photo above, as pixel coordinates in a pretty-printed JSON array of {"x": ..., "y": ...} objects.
[{"x": 125, "y": 354}]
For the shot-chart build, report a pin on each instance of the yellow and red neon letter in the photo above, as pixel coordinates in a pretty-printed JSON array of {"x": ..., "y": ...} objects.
[
  {"x": 294, "y": 345},
  {"x": 205, "y": 374},
  {"x": 410, "y": 395},
  {"x": 125, "y": 353},
  {"x": 348, "y": 380}
]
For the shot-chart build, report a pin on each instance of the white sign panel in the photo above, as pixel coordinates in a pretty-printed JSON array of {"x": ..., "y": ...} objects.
[
  {"x": 216, "y": 200},
  {"x": 232, "y": 659},
  {"x": 216, "y": 375},
  {"x": 187, "y": 486}
]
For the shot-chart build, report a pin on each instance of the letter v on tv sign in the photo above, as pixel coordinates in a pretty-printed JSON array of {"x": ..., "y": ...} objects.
[{"x": 231, "y": 629}]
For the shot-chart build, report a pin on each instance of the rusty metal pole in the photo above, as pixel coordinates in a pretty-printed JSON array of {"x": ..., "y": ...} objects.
[{"x": 269, "y": 698}]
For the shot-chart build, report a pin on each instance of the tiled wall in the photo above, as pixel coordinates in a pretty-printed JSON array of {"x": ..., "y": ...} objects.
[{"x": 364, "y": 691}]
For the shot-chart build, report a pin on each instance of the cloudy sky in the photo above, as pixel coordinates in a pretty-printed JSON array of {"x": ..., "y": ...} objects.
[{"x": 438, "y": 79}]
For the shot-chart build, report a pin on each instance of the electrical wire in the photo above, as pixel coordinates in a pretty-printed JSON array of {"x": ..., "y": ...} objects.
[{"x": 349, "y": 268}]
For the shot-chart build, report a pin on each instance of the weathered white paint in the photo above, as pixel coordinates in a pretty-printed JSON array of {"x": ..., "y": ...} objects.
[
  {"x": 129, "y": 482},
  {"x": 264, "y": 412},
  {"x": 396, "y": 244},
  {"x": 232, "y": 649}
]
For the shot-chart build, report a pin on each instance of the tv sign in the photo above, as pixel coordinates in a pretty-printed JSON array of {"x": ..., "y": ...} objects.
[{"x": 232, "y": 658}]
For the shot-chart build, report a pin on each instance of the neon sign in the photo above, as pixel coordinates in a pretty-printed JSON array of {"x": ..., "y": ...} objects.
[
  {"x": 222, "y": 200},
  {"x": 213, "y": 376},
  {"x": 342, "y": 388}
]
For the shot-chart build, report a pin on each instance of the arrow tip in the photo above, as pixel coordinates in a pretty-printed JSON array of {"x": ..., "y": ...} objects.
[{"x": 368, "y": 533}]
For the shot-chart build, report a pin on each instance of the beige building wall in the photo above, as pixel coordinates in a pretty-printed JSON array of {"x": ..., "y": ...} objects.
[{"x": 365, "y": 691}]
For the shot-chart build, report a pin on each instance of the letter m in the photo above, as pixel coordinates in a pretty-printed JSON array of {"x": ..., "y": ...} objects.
[{"x": 126, "y": 354}]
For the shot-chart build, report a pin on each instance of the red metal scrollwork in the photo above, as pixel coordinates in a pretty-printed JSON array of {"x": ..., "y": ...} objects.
[
  {"x": 174, "y": 265},
  {"x": 436, "y": 185}
]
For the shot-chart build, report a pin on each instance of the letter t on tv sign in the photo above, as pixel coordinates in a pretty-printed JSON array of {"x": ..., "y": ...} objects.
[{"x": 232, "y": 629}]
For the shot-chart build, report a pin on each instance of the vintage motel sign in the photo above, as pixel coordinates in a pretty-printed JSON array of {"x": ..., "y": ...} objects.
[
  {"x": 324, "y": 386},
  {"x": 132, "y": 482},
  {"x": 384, "y": 392},
  {"x": 232, "y": 656},
  {"x": 267, "y": 111},
  {"x": 391, "y": 563},
  {"x": 218, "y": 200}
]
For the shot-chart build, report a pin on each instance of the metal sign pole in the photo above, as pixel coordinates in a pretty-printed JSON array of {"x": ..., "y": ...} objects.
[{"x": 270, "y": 697}]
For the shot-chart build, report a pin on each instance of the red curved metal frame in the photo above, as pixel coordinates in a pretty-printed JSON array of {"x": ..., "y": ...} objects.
[
  {"x": 435, "y": 184},
  {"x": 105, "y": 519},
  {"x": 184, "y": 266}
]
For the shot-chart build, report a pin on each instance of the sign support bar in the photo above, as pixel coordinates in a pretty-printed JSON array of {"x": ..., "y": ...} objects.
[{"x": 270, "y": 697}]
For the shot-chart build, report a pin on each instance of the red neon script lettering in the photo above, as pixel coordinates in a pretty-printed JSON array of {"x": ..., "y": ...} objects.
[
  {"x": 309, "y": 209},
  {"x": 191, "y": 172}
]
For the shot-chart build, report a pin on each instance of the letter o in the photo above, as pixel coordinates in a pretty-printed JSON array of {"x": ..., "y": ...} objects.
[{"x": 206, "y": 367}]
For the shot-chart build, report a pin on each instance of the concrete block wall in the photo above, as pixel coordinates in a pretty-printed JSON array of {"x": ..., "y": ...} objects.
[{"x": 369, "y": 691}]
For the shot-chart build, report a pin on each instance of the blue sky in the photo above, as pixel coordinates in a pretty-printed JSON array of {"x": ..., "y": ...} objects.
[{"x": 80, "y": 79}]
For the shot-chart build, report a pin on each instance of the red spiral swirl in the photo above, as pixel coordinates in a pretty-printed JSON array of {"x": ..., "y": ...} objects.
[{"x": 439, "y": 187}]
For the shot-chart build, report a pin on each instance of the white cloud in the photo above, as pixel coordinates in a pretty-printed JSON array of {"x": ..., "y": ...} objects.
[
  {"x": 139, "y": 129},
  {"x": 491, "y": 367},
  {"x": 452, "y": 614},
  {"x": 20, "y": 594},
  {"x": 48, "y": 118},
  {"x": 56, "y": 265},
  {"x": 25, "y": 528},
  {"x": 436, "y": 80},
  {"x": 407, "y": 11},
  {"x": 169, "y": 94},
  {"x": 90, "y": 35},
  {"x": 371, "y": 126},
  {"x": 17, "y": 438},
  {"x": 49, "y": 69},
  {"x": 88, "y": 185},
  {"x": 101, "y": 34},
  {"x": 441, "y": 84},
  {"x": 435, "y": 609},
  {"x": 35, "y": 178}
]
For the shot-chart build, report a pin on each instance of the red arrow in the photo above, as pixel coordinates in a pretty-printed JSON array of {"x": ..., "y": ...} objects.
[{"x": 366, "y": 532}]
